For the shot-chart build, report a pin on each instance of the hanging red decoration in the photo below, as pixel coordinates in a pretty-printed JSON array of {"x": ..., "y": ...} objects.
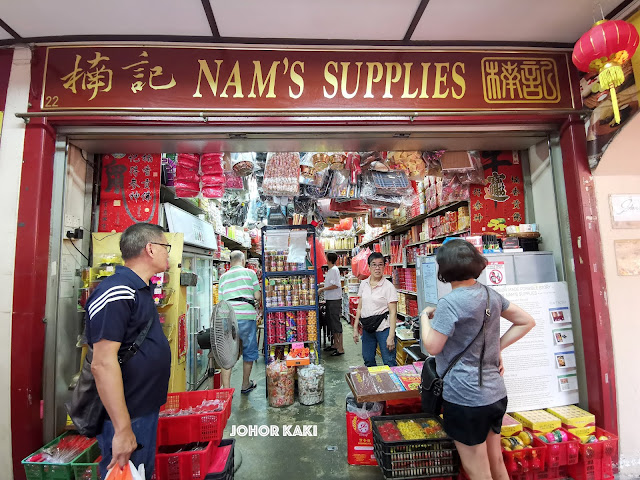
[{"x": 604, "y": 49}]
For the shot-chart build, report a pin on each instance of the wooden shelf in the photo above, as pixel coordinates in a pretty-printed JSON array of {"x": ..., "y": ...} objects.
[
  {"x": 407, "y": 292},
  {"x": 232, "y": 244},
  {"x": 168, "y": 195},
  {"x": 416, "y": 221}
]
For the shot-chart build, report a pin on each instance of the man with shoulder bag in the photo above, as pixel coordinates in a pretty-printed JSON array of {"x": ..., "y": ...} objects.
[{"x": 131, "y": 358}]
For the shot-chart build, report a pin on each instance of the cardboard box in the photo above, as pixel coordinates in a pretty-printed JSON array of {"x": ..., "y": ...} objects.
[
  {"x": 510, "y": 426},
  {"x": 575, "y": 420},
  {"x": 538, "y": 421}
]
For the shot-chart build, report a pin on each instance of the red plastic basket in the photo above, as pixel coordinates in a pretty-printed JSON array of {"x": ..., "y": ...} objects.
[
  {"x": 206, "y": 427},
  {"x": 562, "y": 454},
  {"x": 222, "y": 463},
  {"x": 597, "y": 460},
  {"x": 185, "y": 465},
  {"x": 524, "y": 464}
]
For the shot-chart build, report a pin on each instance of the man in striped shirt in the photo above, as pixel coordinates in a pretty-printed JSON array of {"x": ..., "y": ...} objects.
[{"x": 240, "y": 287}]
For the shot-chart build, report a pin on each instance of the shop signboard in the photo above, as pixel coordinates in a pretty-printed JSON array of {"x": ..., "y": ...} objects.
[{"x": 303, "y": 79}]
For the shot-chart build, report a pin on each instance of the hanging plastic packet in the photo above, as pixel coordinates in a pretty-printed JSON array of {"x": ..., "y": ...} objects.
[{"x": 297, "y": 246}]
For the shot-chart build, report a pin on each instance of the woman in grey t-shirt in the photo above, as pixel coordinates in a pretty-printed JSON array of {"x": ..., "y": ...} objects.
[{"x": 474, "y": 398}]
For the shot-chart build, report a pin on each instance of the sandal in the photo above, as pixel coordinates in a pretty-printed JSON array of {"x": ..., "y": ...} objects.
[
  {"x": 337, "y": 353},
  {"x": 250, "y": 388}
]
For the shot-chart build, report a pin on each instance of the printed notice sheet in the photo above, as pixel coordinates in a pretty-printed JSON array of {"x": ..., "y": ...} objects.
[{"x": 540, "y": 369}]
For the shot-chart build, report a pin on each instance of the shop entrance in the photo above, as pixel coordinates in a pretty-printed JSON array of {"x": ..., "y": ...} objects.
[{"x": 78, "y": 154}]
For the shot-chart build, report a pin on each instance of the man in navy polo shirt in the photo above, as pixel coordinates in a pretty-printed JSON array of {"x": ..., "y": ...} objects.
[{"x": 117, "y": 311}]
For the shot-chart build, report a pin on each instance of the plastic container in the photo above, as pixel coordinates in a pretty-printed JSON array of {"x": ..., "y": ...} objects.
[
  {"x": 529, "y": 460},
  {"x": 564, "y": 453},
  {"x": 86, "y": 466},
  {"x": 222, "y": 466},
  {"x": 311, "y": 385},
  {"x": 206, "y": 427},
  {"x": 414, "y": 459},
  {"x": 193, "y": 465},
  {"x": 51, "y": 471},
  {"x": 596, "y": 460}
]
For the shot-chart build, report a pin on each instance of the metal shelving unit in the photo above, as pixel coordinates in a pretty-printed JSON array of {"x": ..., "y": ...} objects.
[{"x": 311, "y": 235}]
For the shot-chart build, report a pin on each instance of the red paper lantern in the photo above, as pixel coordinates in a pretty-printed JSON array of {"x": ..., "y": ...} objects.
[{"x": 604, "y": 49}]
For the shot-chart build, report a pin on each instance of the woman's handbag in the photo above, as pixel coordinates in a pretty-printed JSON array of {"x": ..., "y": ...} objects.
[
  {"x": 85, "y": 408},
  {"x": 371, "y": 324},
  {"x": 432, "y": 384}
]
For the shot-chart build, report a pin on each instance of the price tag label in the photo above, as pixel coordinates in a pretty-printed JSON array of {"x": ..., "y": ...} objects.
[{"x": 297, "y": 345}]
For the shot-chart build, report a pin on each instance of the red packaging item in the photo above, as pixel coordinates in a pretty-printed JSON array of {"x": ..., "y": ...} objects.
[
  {"x": 222, "y": 464},
  {"x": 212, "y": 192},
  {"x": 187, "y": 174},
  {"x": 189, "y": 160},
  {"x": 215, "y": 180},
  {"x": 211, "y": 168},
  {"x": 187, "y": 189}
]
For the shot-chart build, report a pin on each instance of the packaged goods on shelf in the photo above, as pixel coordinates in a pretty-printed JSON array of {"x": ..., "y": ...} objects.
[
  {"x": 510, "y": 426},
  {"x": 291, "y": 291}
]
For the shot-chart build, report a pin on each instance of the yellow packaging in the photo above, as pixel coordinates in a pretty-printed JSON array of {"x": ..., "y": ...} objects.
[
  {"x": 538, "y": 421},
  {"x": 575, "y": 420},
  {"x": 510, "y": 426}
]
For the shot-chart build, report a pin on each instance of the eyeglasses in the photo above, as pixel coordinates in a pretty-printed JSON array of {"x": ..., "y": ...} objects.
[
  {"x": 376, "y": 265},
  {"x": 163, "y": 244}
]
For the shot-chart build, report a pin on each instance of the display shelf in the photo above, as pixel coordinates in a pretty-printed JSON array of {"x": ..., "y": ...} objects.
[
  {"x": 221, "y": 260},
  {"x": 343, "y": 266},
  {"x": 232, "y": 244},
  {"x": 289, "y": 273},
  {"x": 381, "y": 397},
  {"x": 341, "y": 250},
  {"x": 311, "y": 238},
  {"x": 416, "y": 220},
  {"x": 407, "y": 292},
  {"x": 289, "y": 309},
  {"x": 453, "y": 234},
  {"x": 289, "y": 343},
  {"x": 168, "y": 195},
  {"x": 396, "y": 264}
]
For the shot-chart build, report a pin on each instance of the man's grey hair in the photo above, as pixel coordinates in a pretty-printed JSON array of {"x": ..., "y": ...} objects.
[
  {"x": 237, "y": 257},
  {"x": 135, "y": 238}
]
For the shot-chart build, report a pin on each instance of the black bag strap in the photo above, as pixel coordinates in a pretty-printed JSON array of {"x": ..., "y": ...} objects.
[
  {"x": 250, "y": 301},
  {"x": 487, "y": 315},
  {"x": 126, "y": 354}
]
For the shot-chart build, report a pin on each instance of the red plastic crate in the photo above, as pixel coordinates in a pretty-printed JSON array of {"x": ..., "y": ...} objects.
[
  {"x": 562, "y": 454},
  {"x": 206, "y": 427},
  {"x": 597, "y": 460},
  {"x": 523, "y": 464},
  {"x": 222, "y": 463},
  {"x": 185, "y": 465}
]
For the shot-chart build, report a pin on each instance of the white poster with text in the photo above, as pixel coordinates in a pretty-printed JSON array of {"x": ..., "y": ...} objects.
[{"x": 540, "y": 369}]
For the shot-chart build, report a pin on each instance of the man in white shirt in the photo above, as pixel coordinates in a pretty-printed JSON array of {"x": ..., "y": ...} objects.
[{"x": 333, "y": 296}]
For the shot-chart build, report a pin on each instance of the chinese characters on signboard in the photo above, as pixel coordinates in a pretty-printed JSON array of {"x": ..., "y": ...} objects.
[
  {"x": 165, "y": 78},
  {"x": 130, "y": 190}
]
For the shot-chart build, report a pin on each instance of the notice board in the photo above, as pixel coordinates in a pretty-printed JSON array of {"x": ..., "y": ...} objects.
[{"x": 540, "y": 369}]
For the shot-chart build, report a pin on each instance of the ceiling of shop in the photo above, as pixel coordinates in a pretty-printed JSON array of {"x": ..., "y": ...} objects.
[
  {"x": 159, "y": 139},
  {"x": 375, "y": 22}
]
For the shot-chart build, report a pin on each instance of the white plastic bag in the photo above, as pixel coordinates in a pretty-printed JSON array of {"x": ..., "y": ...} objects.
[{"x": 129, "y": 472}]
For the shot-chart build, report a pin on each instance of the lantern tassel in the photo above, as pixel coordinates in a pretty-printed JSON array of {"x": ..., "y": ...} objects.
[
  {"x": 614, "y": 103},
  {"x": 612, "y": 77}
]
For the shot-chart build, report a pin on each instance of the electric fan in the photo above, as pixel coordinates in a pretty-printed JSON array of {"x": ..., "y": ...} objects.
[{"x": 222, "y": 336}]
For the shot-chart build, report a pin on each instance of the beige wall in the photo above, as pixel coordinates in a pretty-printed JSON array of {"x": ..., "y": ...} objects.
[{"x": 619, "y": 173}]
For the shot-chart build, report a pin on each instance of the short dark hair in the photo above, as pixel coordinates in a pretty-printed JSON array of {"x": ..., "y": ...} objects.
[
  {"x": 459, "y": 260},
  {"x": 332, "y": 257},
  {"x": 375, "y": 256},
  {"x": 135, "y": 238}
]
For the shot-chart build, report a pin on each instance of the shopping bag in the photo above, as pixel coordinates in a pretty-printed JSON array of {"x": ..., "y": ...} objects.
[{"x": 129, "y": 472}]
